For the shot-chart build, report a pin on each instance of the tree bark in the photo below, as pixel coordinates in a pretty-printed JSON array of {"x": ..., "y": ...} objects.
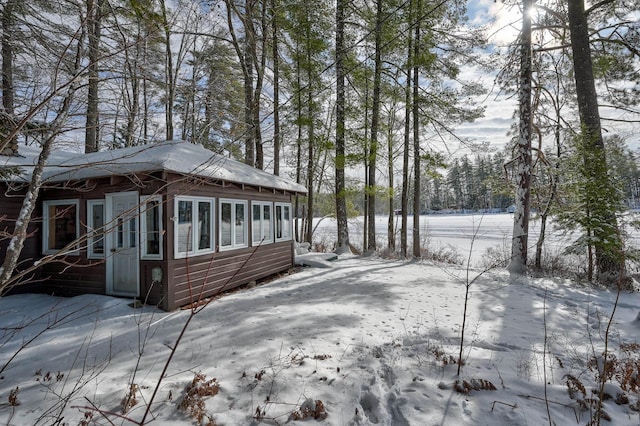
[
  {"x": 375, "y": 119},
  {"x": 341, "y": 203},
  {"x": 609, "y": 261},
  {"x": 249, "y": 155},
  {"x": 391, "y": 235},
  {"x": 311, "y": 139},
  {"x": 170, "y": 89},
  {"x": 519, "y": 241},
  {"x": 298, "y": 95},
  {"x": 257, "y": 93},
  {"x": 8, "y": 145},
  {"x": 276, "y": 90},
  {"x": 406, "y": 147},
  {"x": 94, "y": 23},
  {"x": 417, "y": 252}
]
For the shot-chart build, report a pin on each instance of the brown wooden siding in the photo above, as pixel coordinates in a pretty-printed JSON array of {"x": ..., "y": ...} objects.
[
  {"x": 64, "y": 280},
  {"x": 226, "y": 270},
  {"x": 10, "y": 206}
]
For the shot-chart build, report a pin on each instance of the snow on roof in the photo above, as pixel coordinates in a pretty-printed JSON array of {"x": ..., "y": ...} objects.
[{"x": 174, "y": 156}]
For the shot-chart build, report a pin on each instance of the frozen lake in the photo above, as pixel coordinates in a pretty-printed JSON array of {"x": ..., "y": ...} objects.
[{"x": 470, "y": 235}]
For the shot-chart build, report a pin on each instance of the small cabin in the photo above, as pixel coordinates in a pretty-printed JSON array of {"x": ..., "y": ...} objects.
[{"x": 166, "y": 223}]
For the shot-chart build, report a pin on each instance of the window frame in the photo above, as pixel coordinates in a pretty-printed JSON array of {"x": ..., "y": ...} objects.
[
  {"x": 262, "y": 239},
  {"x": 94, "y": 234},
  {"x": 195, "y": 251},
  {"x": 234, "y": 203},
  {"x": 280, "y": 219},
  {"x": 144, "y": 254},
  {"x": 45, "y": 219}
]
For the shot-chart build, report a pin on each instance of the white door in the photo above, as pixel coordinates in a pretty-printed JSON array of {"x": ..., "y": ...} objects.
[{"x": 122, "y": 244}]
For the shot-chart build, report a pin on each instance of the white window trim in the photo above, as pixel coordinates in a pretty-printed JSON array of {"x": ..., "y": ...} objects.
[
  {"x": 247, "y": 217},
  {"x": 275, "y": 233},
  {"x": 194, "y": 250},
  {"x": 92, "y": 232},
  {"x": 45, "y": 219},
  {"x": 143, "y": 227},
  {"x": 268, "y": 239}
]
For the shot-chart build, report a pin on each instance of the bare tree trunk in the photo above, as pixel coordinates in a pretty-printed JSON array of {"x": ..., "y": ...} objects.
[
  {"x": 259, "y": 68},
  {"x": 375, "y": 119},
  {"x": 93, "y": 22},
  {"x": 365, "y": 150},
  {"x": 8, "y": 145},
  {"x": 299, "y": 150},
  {"x": 519, "y": 242},
  {"x": 249, "y": 154},
  {"x": 170, "y": 90},
  {"x": 406, "y": 148},
  {"x": 133, "y": 104},
  {"x": 311, "y": 141},
  {"x": 276, "y": 91},
  {"x": 416, "y": 141},
  {"x": 341, "y": 204},
  {"x": 391, "y": 235},
  {"x": 145, "y": 98}
]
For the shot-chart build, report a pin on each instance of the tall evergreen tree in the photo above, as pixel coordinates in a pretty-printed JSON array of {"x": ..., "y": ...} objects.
[{"x": 601, "y": 203}]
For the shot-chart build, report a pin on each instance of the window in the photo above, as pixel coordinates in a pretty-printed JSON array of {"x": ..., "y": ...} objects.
[
  {"x": 261, "y": 223},
  {"x": 61, "y": 225},
  {"x": 192, "y": 238},
  {"x": 205, "y": 213},
  {"x": 283, "y": 222},
  {"x": 233, "y": 224},
  {"x": 151, "y": 227},
  {"x": 95, "y": 228}
]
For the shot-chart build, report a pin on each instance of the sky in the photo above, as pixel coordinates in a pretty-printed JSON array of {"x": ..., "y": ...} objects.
[
  {"x": 356, "y": 341},
  {"x": 503, "y": 26},
  {"x": 504, "y": 23}
]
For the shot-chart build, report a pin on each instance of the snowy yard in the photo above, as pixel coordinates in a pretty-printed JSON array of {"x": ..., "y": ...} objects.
[{"x": 364, "y": 341}]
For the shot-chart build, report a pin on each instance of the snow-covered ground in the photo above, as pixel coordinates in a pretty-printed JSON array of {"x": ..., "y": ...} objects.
[{"x": 363, "y": 341}]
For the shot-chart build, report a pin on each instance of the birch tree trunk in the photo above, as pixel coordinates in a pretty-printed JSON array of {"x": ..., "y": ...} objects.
[{"x": 519, "y": 240}]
